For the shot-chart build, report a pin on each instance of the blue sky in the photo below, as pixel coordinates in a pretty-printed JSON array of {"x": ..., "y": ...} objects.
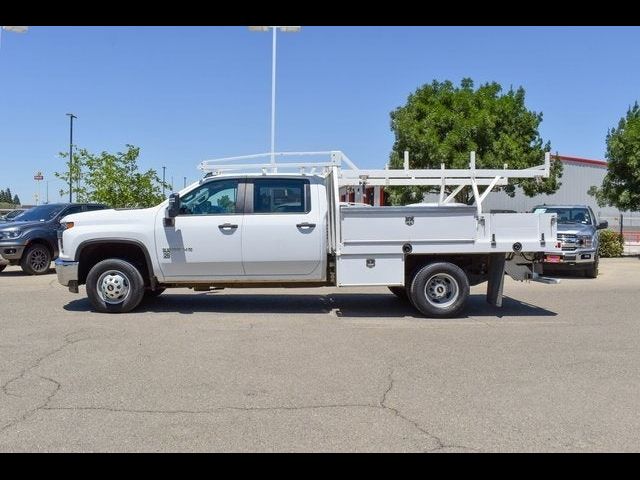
[{"x": 184, "y": 94}]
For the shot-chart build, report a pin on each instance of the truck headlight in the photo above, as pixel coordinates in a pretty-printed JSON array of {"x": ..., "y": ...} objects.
[
  {"x": 10, "y": 234},
  {"x": 585, "y": 241}
]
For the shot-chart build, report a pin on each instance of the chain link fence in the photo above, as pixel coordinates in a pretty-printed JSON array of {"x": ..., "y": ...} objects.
[{"x": 628, "y": 224}]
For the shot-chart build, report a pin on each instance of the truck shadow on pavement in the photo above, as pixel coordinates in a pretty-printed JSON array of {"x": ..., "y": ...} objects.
[
  {"x": 20, "y": 273},
  {"x": 342, "y": 304}
]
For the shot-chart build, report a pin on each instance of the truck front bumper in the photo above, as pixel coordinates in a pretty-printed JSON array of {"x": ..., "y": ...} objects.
[
  {"x": 575, "y": 258},
  {"x": 11, "y": 251},
  {"x": 67, "y": 272}
]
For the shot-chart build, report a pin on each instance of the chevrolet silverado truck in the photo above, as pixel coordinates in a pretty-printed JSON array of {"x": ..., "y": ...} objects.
[
  {"x": 283, "y": 225},
  {"x": 30, "y": 239},
  {"x": 578, "y": 233}
]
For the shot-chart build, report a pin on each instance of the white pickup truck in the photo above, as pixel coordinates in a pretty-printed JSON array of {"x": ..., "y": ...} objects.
[{"x": 283, "y": 226}]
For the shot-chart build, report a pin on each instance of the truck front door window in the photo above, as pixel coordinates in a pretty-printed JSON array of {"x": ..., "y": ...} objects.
[{"x": 212, "y": 198}]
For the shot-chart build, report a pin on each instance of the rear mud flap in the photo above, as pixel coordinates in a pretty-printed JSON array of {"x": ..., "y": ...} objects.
[{"x": 495, "y": 282}]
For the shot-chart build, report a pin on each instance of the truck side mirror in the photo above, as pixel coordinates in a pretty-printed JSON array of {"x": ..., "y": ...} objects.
[
  {"x": 174, "y": 205},
  {"x": 602, "y": 225}
]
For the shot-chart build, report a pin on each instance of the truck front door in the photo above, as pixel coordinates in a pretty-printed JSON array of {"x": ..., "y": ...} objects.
[{"x": 205, "y": 241}]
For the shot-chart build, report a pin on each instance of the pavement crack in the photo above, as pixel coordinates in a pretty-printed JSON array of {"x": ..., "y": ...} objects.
[
  {"x": 440, "y": 444},
  {"x": 6, "y": 387},
  {"x": 212, "y": 410}
]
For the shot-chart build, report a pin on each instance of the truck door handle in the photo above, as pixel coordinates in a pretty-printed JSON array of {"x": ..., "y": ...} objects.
[
  {"x": 306, "y": 225},
  {"x": 225, "y": 226}
]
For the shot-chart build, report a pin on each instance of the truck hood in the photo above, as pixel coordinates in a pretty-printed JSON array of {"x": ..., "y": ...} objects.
[
  {"x": 575, "y": 229},
  {"x": 112, "y": 216},
  {"x": 22, "y": 225}
]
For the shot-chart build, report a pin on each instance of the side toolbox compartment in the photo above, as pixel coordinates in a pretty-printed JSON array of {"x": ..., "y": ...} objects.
[{"x": 374, "y": 269}]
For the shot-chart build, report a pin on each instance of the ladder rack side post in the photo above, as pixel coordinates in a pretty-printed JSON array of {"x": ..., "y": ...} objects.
[
  {"x": 547, "y": 164},
  {"x": 474, "y": 185},
  {"x": 442, "y": 177},
  {"x": 336, "y": 208}
]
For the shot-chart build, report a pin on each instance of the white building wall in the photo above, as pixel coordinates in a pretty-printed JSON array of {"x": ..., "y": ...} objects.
[{"x": 576, "y": 180}]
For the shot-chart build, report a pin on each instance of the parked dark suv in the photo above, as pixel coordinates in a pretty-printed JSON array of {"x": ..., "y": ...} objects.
[{"x": 30, "y": 240}]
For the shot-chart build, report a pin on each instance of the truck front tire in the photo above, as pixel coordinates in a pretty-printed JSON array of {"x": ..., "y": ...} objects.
[
  {"x": 115, "y": 286},
  {"x": 592, "y": 271},
  {"x": 36, "y": 260},
  {"x": 439, "y": 290}
]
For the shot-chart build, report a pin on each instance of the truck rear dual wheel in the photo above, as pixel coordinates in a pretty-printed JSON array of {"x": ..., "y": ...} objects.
[
  {"x": 115, "y": 286},
  {"x": 439, "y": 290}
]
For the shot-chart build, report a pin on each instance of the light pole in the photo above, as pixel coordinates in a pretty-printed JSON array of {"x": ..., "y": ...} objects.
[
  {"x": 274, "y": 29},
  {"x": 163, "y": 172},
  {"x": 71, "y": 117},
  {"x": 185, "y": 182}
]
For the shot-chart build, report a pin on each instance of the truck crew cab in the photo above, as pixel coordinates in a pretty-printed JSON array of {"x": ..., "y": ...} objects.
[{"x": 252, "y": 225}]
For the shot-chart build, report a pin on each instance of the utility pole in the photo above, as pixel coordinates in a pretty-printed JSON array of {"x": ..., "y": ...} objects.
[
  {"x": 71, "y": 117},
  {"x": 185, "y": 182},
  {"x": 163, "y": 182}
]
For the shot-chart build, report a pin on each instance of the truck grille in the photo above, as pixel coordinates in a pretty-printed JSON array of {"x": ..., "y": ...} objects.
[{"x": 569, "y": 241}]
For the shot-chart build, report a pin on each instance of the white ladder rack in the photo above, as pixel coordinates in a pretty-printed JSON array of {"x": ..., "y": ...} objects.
[{"x": 350, "y": 175}]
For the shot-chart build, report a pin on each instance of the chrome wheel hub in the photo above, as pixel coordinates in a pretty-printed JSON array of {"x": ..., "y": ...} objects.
[
  {"x": 113, "y": 286},
  {"x": 441, "y": 290}
]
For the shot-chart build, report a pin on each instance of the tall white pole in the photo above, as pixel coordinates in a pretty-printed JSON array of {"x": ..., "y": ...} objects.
[{"x": 273, "y": 98}]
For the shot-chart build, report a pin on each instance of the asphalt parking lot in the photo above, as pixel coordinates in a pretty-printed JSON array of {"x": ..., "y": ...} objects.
[{"x": 556, "y": 369}]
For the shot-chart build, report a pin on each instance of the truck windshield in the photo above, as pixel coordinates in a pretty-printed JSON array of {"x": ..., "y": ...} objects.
[
  {"x": 41, "y": 213},
  {"x": 568, "y": 215}
]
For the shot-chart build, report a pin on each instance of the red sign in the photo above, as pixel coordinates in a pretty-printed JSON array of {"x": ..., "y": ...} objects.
[{"x": 38, "y": 177}]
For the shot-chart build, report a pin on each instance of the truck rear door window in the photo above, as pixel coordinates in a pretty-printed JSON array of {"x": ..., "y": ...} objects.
[{"x": 281, "y": 196}]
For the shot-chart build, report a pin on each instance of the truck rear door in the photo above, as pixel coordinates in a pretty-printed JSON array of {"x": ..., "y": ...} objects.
[{"x": 282, "y": 230}]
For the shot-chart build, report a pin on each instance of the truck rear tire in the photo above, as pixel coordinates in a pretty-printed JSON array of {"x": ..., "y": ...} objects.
[
  {"x": 400, "y": 292},
  {"x": 439, "y": 290},
  {"x": 36, "y": 260},
  {"x": 115, "y": 286}
]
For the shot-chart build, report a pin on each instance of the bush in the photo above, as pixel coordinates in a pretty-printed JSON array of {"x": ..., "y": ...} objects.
[{"x": 611, "y": 244}]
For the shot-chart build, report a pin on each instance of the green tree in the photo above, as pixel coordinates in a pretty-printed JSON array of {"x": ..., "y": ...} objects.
[
  {"x": 441, "y": 123},
  {"x": 226, "y": 204},
  {"x": 113, "y": 179},
  {"x": 621, "y": 185},
  {"x": 16, "y": 199}
]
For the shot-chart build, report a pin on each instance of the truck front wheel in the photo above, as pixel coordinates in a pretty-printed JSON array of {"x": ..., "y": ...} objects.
[
  {"x": 439, "y": 290},
  {"x": 592, "y": 271},
  {"x": 115, "y": 286},
  {"x": 36, "y": 260}
]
